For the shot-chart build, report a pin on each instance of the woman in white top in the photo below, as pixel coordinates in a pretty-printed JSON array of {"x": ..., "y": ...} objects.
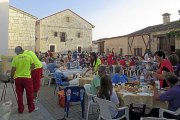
[{"x": 106, "y": 92}]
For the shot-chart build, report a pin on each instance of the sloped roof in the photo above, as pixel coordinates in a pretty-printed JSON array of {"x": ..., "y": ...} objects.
[
  {"x": 70, "y": 11},
  {"x": 23, "y": 12},
  {"x": 156, "y": 28},
  {"x": 103, "y": 39}
]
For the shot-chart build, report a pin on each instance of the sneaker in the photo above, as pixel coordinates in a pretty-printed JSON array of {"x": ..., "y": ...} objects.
[
  {"x": 36, "y": 108},
  {"x": 36, "y": 100}
]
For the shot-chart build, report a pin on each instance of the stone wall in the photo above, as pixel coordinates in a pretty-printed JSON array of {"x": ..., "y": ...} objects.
[
  {"x": 58, "y": 23},
  {"x": 116, "y": 43},
  {"x": 21, "y": 30},
  {"x": 137, "y": 42}
]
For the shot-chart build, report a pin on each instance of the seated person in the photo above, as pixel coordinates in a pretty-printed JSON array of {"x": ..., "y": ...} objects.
[
  {"x": 66, "y": 76},
  {"x": 51, "y": 67},
  {"x": 60, "y": 78},
  {"x": 106, "y": 92},
  {"x": 118, "y": 77},
  {"x": 95, "y": 83},
  {"x": 172, "y": 96}
]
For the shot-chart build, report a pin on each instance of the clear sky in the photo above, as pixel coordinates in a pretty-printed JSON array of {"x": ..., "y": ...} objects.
[{"x": 110, "y": 17}]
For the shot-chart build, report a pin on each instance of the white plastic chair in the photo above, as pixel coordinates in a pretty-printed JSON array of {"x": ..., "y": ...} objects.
[
  {"x": 154, "y": 118},
  {"x": 47, "y": 75},
  {"x": 161, "y": 112},
  {"x": 90, "y": 98},
  {"x": 105, "y": 111},
  {"x": 75, "y": 80}
]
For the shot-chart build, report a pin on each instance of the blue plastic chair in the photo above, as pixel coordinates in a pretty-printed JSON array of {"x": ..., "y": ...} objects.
[
  {"x": 74, "y": 94},
  {"x": 58, "y": 79}
]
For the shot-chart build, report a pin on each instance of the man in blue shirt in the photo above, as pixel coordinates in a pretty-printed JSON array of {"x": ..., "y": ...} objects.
[{"x": 118, "y": 77}]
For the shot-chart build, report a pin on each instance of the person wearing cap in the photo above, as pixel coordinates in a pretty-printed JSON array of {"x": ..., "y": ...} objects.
[
  {"x": 36, "y": 72},
  {"x": 22, "y": 65}
]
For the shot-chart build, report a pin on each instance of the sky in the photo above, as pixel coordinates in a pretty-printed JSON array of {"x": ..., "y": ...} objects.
[{"x": 111, "y": 18}]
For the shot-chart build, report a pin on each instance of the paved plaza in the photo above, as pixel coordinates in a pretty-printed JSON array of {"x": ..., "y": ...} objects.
[{"x": 49, "y": 108}]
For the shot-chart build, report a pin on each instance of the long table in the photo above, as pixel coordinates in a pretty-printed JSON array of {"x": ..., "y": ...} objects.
[{"x": 127, "y": 98}]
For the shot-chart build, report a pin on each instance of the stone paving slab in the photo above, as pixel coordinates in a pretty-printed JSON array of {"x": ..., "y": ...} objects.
[
  {"x": 50, "y": 101},
  {"x": 49, "y": 108},
  {"x": 41, "y": 114}
]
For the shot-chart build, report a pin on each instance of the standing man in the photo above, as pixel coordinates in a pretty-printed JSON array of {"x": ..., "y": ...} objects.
[
  {"x": 36, "y": 72},
  {"x": 22, "y": 65}
]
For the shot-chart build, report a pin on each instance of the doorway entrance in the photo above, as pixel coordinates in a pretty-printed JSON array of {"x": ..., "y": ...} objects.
[{"x": 52, "y": 48}]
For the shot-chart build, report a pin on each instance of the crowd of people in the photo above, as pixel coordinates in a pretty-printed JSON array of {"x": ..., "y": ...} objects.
[{"x": 108, "y": 70}]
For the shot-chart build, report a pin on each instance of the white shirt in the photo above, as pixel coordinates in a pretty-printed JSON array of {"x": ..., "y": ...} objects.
[
  {"x": 146, "y": 56},
  {"x": 115, "y": 100}
]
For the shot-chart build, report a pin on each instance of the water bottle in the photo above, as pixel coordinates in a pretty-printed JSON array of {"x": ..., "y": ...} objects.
[
  {"x": 134, "y": 77},
  {"x": 68, "y": 94},
  {"x": 69, "y": 65},
  {"x": 141, "y": 78},
  {"x": 157, "y": 84},
  {"x": 81, "y": 94},
  {"x": 77, "y": 65}
]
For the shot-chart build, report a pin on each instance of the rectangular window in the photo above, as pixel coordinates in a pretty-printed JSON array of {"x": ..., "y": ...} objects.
[
  {"x": 79, "y": 49},
  {"x": 137, "y": 51},
  {"x": 121, "y": 51},
  {"x": 55, "y": 34},
  {"x": 63, "y": 37},
  {"x": 67, "y": 19},
  {"x": 79, "y": 35}
]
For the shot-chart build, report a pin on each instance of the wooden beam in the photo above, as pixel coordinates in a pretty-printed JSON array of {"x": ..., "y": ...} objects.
[
  {"x": 146, "y": 45},
  {"x": 130, "y": 45}
]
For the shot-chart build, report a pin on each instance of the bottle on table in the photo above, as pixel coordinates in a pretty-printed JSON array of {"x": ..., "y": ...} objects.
[{"x": 142, "y": 78}]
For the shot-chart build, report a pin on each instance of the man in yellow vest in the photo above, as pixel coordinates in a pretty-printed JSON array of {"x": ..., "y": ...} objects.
[
  {"x": 22, "y": 65},
  {"x": 36, "y": 72}
]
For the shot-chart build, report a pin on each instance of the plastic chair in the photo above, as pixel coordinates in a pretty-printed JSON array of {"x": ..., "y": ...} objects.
[
  {"x": 105, "y": 111},
  {"x": 47, "y": 75},
  {"x": 90, "y": 98},
  {"x": 74, "y": 94},
  {"x": 176, "y": 113},
  {"x": 58, "y": 80},
  {"x": 154, "y": 118},
  {"x": 75, "y": 80}
]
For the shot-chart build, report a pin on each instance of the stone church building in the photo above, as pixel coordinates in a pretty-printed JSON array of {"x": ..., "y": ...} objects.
[
  {"x": 63, "y": 31},
  {"x": 21, "y": 30},
  {"x": 58, "y": 32}
]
